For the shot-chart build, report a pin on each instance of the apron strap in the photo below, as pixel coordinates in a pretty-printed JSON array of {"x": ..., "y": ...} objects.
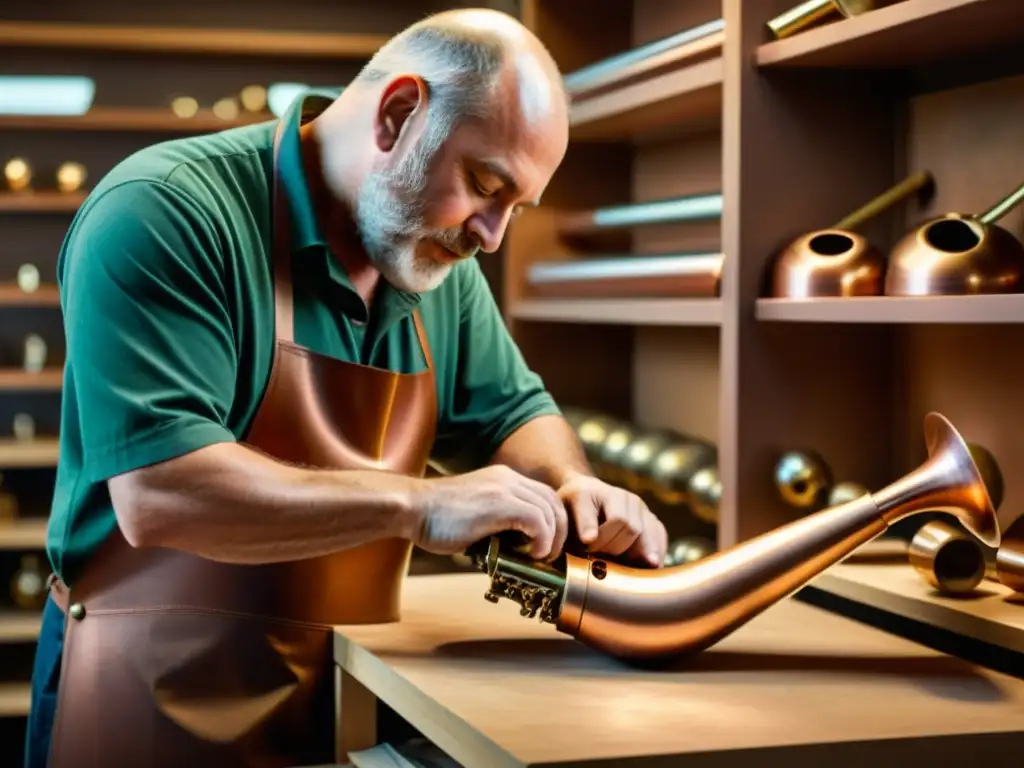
[
  {"x": 421, "y": 334},
  {"x": 281, "y": 251}
]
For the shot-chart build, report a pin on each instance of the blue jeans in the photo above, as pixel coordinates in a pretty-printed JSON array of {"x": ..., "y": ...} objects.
[{"x": 45, "y": 680}]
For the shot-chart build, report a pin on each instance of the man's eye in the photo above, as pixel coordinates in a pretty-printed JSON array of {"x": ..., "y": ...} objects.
[{"x": 482, "y": 189}]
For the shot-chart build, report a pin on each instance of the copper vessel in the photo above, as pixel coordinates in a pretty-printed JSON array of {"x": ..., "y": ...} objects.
[
  {"x": 959, "y": 254},
  {"x": 812, "y": 12},
  {"x": 954, "y": 562},
  {"x": 838, "y": 261},
  {"x": 643, "y": 613}
]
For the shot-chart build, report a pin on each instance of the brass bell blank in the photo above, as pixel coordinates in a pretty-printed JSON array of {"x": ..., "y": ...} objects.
[
  {"x": 638, "y": 458},
  {"x": 705, "y": 493},
  {"x": 616, "y": 443},
  {"x": 802, "y": 479},
  {"x": 688, "y": 549},
  {"x": 592, "y": 432}
]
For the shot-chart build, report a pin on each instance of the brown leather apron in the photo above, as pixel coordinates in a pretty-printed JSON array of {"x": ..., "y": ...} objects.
[{"x": 174, "y": 660}]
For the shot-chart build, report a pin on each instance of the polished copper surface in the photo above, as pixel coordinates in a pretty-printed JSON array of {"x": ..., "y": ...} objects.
[
  {"x": 1009, "y": 560},
  {"x": 959, "y": 254},
  {"x": 811, "y": 12},
  {"x": 946, "y": 557},
  {"x": 802, "y": 479},
  {"x": 655, "y": 613},
  {"x": 838, "y": 261}
]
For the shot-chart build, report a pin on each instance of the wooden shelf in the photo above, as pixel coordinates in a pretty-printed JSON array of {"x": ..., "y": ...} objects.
[
  {"x": 23, "y": 381},
  {"x": 23, "y": 534},
  {"x": 41, "y": 201},
  {"x": 189, "y": 40},
  {"x": 909, "y": 33},
  {"x": 686, "y": 312},
  {"x": 995, "y": 616},
  {"x": 688, "y": 99},
  {"x": 46, "y": 295},
  {"x": 30, "y": 454},
  {"x": 15, "y": 699},
  {"x": 130, "y": 119},
  {"x": 19, "y": 626},
  {"x": 949, "y": 310}
]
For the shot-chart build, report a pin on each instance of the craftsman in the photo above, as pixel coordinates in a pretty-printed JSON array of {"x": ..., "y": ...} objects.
[{"x": 270, "y": 331}]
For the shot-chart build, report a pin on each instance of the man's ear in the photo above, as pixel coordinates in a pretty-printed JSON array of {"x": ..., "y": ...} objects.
[{"x": 398, "y": 102}]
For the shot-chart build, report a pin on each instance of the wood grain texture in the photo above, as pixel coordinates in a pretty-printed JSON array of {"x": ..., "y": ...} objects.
[{"x": 493, "y": 689}]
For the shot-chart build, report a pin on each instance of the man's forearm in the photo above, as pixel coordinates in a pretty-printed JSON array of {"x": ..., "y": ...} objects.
[
  {"x": 230, "y": 503},
  {"x": 545, "y": 448}
]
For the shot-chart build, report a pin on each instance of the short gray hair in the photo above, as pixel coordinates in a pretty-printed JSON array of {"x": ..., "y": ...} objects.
[{"x": 460, "y": 68}]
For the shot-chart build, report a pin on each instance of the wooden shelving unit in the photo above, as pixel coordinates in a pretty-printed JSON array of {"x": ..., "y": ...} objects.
[
  {"x": 223, "y": 41},
  {"x": 795, "y": 133},
  {"x": 19, "y": 626},
  {"x": 35, "y": 454},
  {"x": 24, "y": 381},
  {"x": 129, "y": 119},
  {"x": 15, "y": 699},
  {"x": 11, "y": 296},
  {"x": 22, "y": 534},
  {"x": 41, "y": 201}
]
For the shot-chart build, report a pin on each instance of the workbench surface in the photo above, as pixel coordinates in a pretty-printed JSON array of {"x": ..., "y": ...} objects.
[{"x": 798, "y": 685}]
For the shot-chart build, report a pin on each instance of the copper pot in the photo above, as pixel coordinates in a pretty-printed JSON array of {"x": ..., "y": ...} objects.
[
  {"x": 838, "y": 261},
  {"x": 959, "y": 254}
]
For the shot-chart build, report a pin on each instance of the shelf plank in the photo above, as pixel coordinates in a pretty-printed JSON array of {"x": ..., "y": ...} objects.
[
  {"x": 131, "y": 119},
  {"x": 949, "y": 310},
  {"x": 995, "y": 616},
  {"x": 41, "y": 201},
  {"x": 29, "y": 454},
  {"x": 686, "y": 100},
  {"x": 48, "y": 380},
  {"x": 909, "y": 33},
  {"x": 664, "y": 312},
  {"x": 15, "y": 699},
  {"x": 23, "y": 534},
  {"x": 47, "y": 295},
  {"x": 19, "y": 626},
  {"x": 189, "y": 40}
]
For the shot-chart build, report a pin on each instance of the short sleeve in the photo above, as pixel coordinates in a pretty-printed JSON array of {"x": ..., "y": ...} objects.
[
  {"x": 495, "y": 390},
  {"x": 151, "y": 359}
]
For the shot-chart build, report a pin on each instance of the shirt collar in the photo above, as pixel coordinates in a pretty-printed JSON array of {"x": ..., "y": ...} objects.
[{"x": 306, "y": 233}]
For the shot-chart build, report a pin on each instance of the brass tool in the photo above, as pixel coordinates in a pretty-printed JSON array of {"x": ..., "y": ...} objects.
[
  {"x": 954, "y": 562},
  {"x": 662, "y": 612},
  {"x": 674, "y": 466},
  {"x": 837, "y": 261},
  {"x": 812, "y": 12},
  {"x": 959, "y": 254},
  {"x": 802, "y": 479},
  {"x": 705, "y": 492}
]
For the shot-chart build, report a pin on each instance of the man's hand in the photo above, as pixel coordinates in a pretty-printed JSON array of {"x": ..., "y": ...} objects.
[
  {"x": 613, "y": 521},
  {"x": 452, "y": 513}
]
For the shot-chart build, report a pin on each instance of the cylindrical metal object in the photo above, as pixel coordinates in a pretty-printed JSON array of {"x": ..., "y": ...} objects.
[
  {"x": 812, "y": 12},
  {"x": 695, "y": 275},
  {"x": 949, "y": 559}
]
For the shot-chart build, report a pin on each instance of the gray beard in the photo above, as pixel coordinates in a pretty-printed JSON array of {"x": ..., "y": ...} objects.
[{"x": 389, "y": 215}]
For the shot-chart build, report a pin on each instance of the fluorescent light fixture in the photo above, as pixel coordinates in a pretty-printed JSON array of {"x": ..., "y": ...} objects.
[{"x": 46, "y": 94}]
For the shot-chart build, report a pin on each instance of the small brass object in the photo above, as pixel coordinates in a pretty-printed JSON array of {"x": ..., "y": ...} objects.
[
  {"x": 638, "y": 460},
  {"x": 674, "y": 467},
  {"x": 705, "y": 493},
  {"x": 254, "y": 98},
  {"x": 35, "y": 353},
  {"x": 77, "y": 611},
  {"x": 18, "y": 173},
  {"x": 1009, "y": 561},
  {"x": 959, "y": 254},
  {"x": 656, "y": 613},
  {"x": 28, "y": 586},
  {"x": 226, "y": 108},
  {"x": 844, "y": 492},
  {"x": 812, "y": 12},
  {"x": 688, "y": 549},
  {"x": 185, "y": 106},
  {"x": 802, "y": 479},
  {"x": 24, "y": 427},
  {"x": 8, "y": 504},
  {"x": 593, "y": 431},
  {"x": 949, "y": 559},
  {"x": 28, "y": 278},
  {"x": 610, "y": 454},
  {"x": 838, "y": 261},
  {"x": 70, "y": 177}
]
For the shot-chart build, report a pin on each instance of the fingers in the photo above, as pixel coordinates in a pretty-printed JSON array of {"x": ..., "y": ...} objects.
[
  {"x": 623, "y": 523},
  {"x": 549, "y": 512},
  {"x": 652, "y": 545}
]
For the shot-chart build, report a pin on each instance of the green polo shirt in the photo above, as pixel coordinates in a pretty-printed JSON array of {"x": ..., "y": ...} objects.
[{"x": 167, "y": 296}]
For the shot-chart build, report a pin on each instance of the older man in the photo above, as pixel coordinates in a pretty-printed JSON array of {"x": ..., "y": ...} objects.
[{"x": 270, "y": 330}]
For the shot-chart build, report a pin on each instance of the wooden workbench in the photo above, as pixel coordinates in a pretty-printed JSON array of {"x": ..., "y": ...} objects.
[{"x": 797, "y": 686}]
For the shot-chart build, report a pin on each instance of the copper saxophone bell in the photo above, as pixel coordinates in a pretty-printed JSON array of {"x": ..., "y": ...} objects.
[{"x": 643, "y": 613}]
